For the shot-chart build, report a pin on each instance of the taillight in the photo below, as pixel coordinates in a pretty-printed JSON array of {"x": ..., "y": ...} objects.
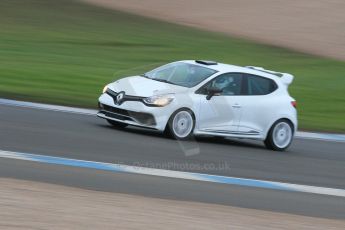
[{"x": 294, "y": 104}]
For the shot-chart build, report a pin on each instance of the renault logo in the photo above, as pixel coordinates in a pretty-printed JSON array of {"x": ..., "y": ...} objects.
[{"x": 119, "y": 98}]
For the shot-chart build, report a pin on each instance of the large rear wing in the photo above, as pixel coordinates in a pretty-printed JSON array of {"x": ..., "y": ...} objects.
[{"x": 286, "y": 78}]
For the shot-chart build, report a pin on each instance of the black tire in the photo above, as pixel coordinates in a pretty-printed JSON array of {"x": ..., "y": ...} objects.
[
  {"x": 117, "y": 124},
  {"x": 269, "y": 141},
  {"x": 169, "y": 130},
  {"x": 219, "y": 138}
]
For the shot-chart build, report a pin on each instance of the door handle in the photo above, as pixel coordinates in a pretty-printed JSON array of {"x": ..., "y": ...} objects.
[{"x": 236, "y": 105}]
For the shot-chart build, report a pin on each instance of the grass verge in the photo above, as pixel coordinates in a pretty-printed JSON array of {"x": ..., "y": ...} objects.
[{"x": 64, "y": 52}]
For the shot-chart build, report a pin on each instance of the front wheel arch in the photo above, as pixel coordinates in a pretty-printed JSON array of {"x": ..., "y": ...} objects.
[{"x": 167, "y": 130}]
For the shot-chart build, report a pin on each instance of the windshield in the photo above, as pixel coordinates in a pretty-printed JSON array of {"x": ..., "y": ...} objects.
[{"x": 180, "y": 73}]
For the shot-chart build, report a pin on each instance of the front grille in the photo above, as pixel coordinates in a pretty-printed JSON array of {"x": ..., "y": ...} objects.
[
  {"x": 143, "y": 118},
  {"x": 115, "y": 110},
  {"x": 122, "y": 114},
  {"x": 116, "y": 116},
  {"x": 125, "y": 98}
]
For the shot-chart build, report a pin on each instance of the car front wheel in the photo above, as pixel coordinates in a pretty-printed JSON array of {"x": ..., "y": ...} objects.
[
  {"x": 181, "y": 124},
  {"x": 280, "y": 135}
]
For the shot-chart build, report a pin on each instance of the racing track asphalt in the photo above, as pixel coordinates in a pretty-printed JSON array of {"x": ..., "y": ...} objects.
[{"x": 308, "y": 162}]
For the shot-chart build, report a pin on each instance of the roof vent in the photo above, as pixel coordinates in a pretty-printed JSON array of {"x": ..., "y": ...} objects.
[{"x": 204, "y": 62}]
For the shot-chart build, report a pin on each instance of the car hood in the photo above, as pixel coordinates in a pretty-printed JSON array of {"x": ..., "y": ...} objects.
[{"x": 144, "y": 87}]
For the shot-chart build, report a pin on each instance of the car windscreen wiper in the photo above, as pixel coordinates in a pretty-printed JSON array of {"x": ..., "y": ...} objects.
[
  {"x": 162, "y": 80},
  {"x": 157, "y": 79}
]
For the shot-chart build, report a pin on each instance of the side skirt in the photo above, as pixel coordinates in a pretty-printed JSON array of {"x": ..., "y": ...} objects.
[{"x": 226, "y": 133}]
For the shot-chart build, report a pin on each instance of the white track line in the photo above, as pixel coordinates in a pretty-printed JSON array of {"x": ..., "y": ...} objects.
[{"x": 59, "y": 108}]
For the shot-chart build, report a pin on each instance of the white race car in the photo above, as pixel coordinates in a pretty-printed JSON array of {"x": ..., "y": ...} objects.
[{"x": 187, "y": 98}]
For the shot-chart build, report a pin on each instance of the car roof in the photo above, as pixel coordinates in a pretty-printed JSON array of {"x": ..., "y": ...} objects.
[{"x": 225, "y": 68}]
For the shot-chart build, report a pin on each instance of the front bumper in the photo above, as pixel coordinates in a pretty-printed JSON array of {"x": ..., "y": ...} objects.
[
  {"x": 126, "y": 116},
  {"x": 134, "y": 113}
]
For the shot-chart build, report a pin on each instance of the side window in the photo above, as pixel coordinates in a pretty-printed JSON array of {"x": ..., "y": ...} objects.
[
  {"x": 229, "y": 83},
  {"x": 259, "y": 85}
]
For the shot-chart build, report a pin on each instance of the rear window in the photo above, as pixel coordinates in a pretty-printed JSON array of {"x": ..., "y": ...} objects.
[{"x": 259, "y": 85}]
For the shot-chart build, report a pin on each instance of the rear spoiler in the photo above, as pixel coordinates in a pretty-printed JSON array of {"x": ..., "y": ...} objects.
[{"x": 286, "y": 78}]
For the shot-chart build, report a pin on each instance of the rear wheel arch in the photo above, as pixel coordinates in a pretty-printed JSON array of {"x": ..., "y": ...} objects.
[
  {"x": 269, "y": 139},
  {"x": 281, "y": 119}
]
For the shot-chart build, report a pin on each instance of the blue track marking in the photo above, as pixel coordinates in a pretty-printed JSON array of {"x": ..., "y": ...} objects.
[{"x": 120, "y": 168}]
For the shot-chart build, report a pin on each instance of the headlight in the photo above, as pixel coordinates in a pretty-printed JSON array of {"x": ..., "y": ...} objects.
[
  {"x": 159, "y": 100},
  {"x": 105, "y": 88}
]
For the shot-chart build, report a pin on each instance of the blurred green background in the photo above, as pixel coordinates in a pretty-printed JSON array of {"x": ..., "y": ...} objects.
[{"x": 64, "y": 52}]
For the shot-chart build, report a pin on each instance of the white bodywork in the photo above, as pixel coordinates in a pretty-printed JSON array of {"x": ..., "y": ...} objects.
[{"x": 243, "y": 116}]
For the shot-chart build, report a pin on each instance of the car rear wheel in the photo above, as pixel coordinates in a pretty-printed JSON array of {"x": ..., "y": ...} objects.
[
  {"x": 280, "y": 135},
  {"x": 181, "y": 124},
  {"x": 117, "y": 124}
]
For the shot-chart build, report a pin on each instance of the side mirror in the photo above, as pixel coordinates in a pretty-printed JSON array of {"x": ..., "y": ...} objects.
[{"x": 213, "y": 91}]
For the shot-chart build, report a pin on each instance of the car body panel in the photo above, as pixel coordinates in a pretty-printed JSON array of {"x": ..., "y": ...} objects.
[
  {"x": 141, "y": 86},
  {"x": 241, "y": 116},
  {"x": 219, "y": 113}
]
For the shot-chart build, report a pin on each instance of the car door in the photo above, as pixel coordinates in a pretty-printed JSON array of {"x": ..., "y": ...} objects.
[
  {"x": 220, "y": 113},
  {"x": 258, "y": 104}
]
